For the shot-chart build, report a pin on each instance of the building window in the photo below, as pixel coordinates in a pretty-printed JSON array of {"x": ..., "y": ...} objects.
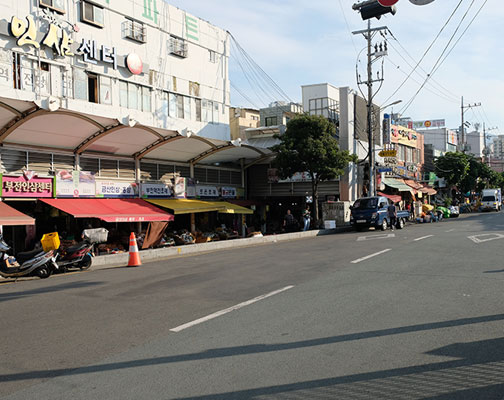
[
  {"x": 134, "y": 96},
  {"x": 187, "y": 108},
  {"x": 92, "y": 14},
  {"x": 134, "y": 30},
  {"x": 213, "y": 56},
  {"x": 105, "y": 90},
  {"x": 54, "y": 5},
  {"x": 271, "y": 121},
  {"x": 180, "y": 107},
  {"x": 93, "y": 88},
  {"x": 198, "y": 110},
  {"x": 172, "y": 105},
  {"x": 178, "y": 46}
]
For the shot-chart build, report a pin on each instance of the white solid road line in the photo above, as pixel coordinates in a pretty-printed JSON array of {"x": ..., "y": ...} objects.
[
  {"x": 423, "y": 237},
  {"x": 370, "y": 256},
  {"x": 228, "y": 310}
]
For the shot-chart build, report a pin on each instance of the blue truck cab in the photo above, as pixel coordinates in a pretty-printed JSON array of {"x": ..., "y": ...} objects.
[{"x": 372, "y": 212}]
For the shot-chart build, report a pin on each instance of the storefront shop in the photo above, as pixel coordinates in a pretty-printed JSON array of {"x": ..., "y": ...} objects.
[
  {"x": 119, "y": 216},
  {"x": 202, "y": 216}
]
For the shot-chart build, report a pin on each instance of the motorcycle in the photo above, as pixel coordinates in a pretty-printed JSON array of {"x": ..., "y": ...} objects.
[
  {"x": 32, "y": 263},
  {"x": 77, "y": 256}
]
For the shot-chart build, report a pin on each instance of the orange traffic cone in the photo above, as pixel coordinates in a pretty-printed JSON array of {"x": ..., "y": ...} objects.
[{"x": 134, "y": 257}]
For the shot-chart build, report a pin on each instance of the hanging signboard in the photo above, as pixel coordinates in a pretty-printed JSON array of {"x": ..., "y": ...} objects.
[
  {"x": 75, "y": 184},
  {"x": 179, "y": 187},
  {"x": 149, "y": 190},
  {"x": 388, "y": 153},
  {"x": 404, "y": 136},
  {"x": 430, "y": 123},
  {"x": 228, "y": 192},
  {"x": 206, "y": 191},
  {"x": 28, "y": 185},
  {"x": 116, "y": 189}
]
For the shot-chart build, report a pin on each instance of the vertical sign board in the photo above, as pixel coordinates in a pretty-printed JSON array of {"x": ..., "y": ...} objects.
[{"x": 386, "y": 129}]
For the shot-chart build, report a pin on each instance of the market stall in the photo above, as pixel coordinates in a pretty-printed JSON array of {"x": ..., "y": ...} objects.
[{"x": 119, "y": 216}]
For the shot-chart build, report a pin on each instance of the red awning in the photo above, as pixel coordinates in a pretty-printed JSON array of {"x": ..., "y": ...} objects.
[
  {"x": 417, "y": 186},
  {"x": 394, "y": 197},
  {"x": 11, "y": 216},
  {"x": 111, "y": 210}
]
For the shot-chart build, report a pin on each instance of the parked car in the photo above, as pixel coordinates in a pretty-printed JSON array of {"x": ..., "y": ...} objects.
[{"x": 372, "y": 212}]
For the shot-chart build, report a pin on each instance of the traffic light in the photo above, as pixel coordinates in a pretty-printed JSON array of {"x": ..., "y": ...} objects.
[{"x": 373, "y": 9}]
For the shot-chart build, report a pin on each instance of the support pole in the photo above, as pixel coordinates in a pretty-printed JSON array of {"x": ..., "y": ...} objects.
[{"x": 370, "y": 114}]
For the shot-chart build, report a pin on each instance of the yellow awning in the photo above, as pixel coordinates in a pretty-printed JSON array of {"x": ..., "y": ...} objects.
[
  {"x": 234, "y": 209},
  {"x": 188, "y": 206}
]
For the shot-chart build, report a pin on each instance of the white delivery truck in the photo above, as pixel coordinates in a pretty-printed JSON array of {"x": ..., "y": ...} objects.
[{"x": 491, "y": 200}]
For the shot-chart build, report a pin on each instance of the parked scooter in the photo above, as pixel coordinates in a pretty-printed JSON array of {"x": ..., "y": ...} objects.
[
  {"x": 77, "y": 256},
  {"x": 32, "y": 263}
]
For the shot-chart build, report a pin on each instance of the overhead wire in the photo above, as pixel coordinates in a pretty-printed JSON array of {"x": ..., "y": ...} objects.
[
  {"x": 430, "y": 89},
  {"x": 463, "y": 33},
  {"x": 438, "y": 87},
  {"x": 265, "y": 76},
  {"x": 439, "y": 62},
  {"x": 426, "y": 51},
  {"x": 243, "y": 95}
]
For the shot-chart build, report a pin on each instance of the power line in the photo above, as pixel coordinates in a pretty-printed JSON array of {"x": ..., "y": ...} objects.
[
  {"x": 266, "y": 77},
  {"x": 426, "y": 51},
  {"x": 438, "y": 85},
  {"x": 439, "y": 62},
  {"x": 243, "y": 95},
  {"x": 432, "y": 90},
  {"x": 460, "y": 37}
]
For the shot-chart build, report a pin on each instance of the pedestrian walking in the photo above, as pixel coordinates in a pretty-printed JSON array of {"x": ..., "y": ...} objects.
[
  {"x": 392, "y": 214},
  {"x": 306, "y": 218},
  {"x": 289, "y": 222}
]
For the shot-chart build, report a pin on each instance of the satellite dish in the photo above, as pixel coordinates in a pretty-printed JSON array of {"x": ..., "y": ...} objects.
[{"x": 421, "y": 2}]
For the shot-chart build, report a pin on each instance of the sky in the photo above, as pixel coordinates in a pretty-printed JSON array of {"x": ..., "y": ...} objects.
[{"x": 300, "y": 43}]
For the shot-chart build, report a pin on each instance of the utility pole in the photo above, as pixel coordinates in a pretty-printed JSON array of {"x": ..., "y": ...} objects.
[
  {"x": 380, "y": 51},
  {"x": 462, "y": 127}
]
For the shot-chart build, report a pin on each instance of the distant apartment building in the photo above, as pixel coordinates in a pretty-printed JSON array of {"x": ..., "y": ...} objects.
[
  {"x": 241, "y": 119},
  {"x": 498, "y": 147}
]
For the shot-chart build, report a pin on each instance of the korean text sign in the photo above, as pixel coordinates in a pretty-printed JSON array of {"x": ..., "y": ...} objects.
[{"x": 20, "y": 186}]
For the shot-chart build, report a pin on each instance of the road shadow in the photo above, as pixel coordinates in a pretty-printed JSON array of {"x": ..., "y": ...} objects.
[
  {"x": 496, "y": 354},
  {"x": 494, "y": 271},
  {"x": 48, "y": 289},
  {"x": 478, "y": 373}
]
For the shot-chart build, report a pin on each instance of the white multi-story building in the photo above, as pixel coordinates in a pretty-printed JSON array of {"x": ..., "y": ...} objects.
[
  {"x": 498, "y": 147},
  {"x": 123, "y": 88},
  {"x": 475, "y": 143}
]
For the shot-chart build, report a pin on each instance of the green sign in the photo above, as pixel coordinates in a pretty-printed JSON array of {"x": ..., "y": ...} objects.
[{"x": 150, "y": 10}]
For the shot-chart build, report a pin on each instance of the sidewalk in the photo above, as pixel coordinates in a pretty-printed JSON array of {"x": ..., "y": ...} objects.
[{"x": 121, "y": 259}]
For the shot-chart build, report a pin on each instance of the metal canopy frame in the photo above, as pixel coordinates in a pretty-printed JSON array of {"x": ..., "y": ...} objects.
[{"x": 22, "y": 117}]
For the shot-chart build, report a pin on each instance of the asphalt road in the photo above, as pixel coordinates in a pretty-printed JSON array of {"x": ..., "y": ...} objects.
[{"x": 411, "y": 314}]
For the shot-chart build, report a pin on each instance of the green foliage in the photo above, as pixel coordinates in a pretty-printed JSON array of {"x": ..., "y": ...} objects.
[
  {"x": 467, "y": 172},
  {"x": 309, "y": 145},
  {"x": 454, "y": 167}
]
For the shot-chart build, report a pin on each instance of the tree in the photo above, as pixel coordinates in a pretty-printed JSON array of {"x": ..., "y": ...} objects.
[
  {"x": 453, "y": 167},
  {"x": 309, "y": 145}
]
